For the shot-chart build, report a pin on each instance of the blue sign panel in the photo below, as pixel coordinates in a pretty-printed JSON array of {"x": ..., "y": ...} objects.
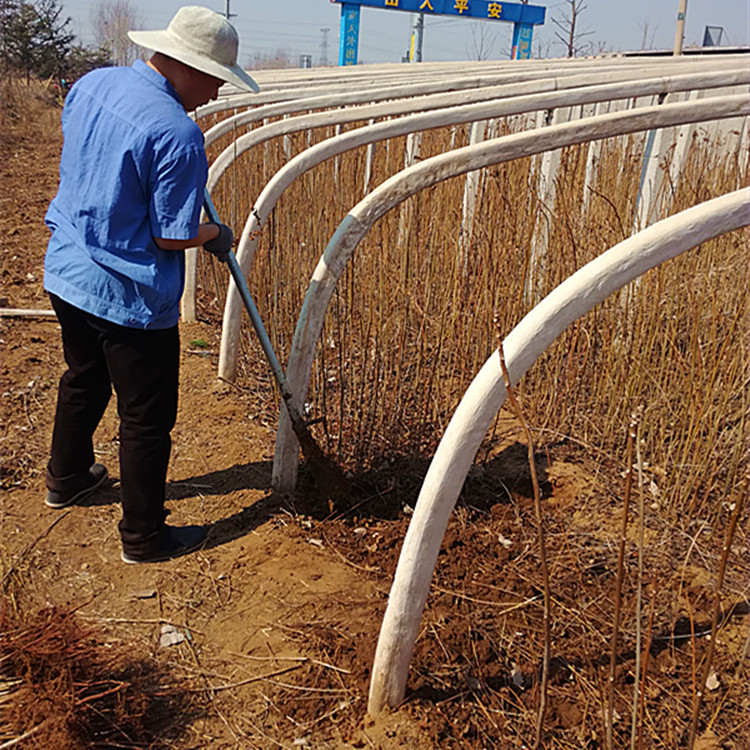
[
  {"x": 349, "y": 35},
  {"x": 492, "y": 11}
]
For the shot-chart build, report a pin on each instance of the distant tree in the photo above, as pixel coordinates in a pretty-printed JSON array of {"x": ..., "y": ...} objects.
[
  {"x": 8, "y": 8},
  {"x": 483, "y": 41},
  {"x": 543, "y": 49},
  {"x": 35, "y": 37},
  {"x": 82, "y": 60},
  {"x": 15, "y": 34},
  {"x": 568, "y": 23},
  {"x": 112, "y": 20},
  {"x": 647, "y": 42},
  {"x": 56, "y": 39}
]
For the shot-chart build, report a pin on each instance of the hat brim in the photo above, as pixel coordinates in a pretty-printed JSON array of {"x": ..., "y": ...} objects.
[{"x": 167, "y": 44}]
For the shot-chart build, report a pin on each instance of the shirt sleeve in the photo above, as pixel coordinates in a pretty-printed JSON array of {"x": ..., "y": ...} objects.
[{"x": 177, "y": 195}]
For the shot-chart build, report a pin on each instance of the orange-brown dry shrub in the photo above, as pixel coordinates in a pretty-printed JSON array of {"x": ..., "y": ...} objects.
[{"x": 71, "y": 688}]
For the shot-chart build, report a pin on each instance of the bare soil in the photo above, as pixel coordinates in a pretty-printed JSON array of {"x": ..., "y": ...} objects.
[{"x": 280, "y": 613}]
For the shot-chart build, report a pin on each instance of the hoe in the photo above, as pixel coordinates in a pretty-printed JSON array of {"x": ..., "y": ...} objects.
[{"x": 329, "y": 479}]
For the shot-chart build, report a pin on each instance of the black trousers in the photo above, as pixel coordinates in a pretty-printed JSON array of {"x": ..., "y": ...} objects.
[{"x": 143, "y": 367}]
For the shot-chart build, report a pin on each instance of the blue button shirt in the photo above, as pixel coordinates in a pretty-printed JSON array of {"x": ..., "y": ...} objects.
[{"x": 133, "y": 167}]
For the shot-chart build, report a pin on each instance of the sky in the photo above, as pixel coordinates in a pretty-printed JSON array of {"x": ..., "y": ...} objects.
[{"x": 294, "y": 27}]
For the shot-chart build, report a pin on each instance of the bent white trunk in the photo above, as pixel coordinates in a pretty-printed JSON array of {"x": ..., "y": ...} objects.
[
  {"x": 429, "y": 172},
  {"x": 573, "y": 298}
]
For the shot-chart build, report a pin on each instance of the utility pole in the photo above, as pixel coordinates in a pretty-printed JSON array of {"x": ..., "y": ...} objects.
[
  {"x": 417, "y": 34},
  {"x": 324, "y": 48},
  {"x": 680, "y": 32}
]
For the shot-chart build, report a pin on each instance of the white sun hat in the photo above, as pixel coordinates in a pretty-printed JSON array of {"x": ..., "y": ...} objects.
[{"x": 202, "y": 39}]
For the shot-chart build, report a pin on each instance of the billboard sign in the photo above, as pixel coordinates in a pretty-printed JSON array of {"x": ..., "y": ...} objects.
[{"x": 523, "y": 17}]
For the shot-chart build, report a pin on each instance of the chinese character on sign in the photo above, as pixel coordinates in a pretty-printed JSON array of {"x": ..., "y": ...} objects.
[
  {"x": 426, "y": 4},
  {"x": 494, "y": 10},
  {"x": 461, "y": 6},
  {"x": 392, "y": 3}
]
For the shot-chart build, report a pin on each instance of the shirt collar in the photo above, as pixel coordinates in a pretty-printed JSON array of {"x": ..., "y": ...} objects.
[{"x": 151, "y": 75}]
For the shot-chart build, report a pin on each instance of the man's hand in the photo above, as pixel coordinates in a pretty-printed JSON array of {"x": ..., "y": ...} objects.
[{"x": 221, "y": 245}]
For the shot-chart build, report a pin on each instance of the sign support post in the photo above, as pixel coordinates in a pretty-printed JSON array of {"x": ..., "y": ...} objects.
[
  {"x": 522, "y": 35},
  {"x": 349, "y": 34},
  {"x": 417, "y": 34}
]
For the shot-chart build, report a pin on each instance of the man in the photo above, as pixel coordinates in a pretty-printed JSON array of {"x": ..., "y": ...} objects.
[{"x": 132, "y": 175}]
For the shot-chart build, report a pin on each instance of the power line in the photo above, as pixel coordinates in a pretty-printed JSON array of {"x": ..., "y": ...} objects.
[
  {"x": 366, "y": 46},
  {"x": 267, "y": 37}
]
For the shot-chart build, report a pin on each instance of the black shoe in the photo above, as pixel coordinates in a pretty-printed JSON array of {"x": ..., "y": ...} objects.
[
  {"x": 172, "y": 541},
  {"x": 93, "y": 479}
]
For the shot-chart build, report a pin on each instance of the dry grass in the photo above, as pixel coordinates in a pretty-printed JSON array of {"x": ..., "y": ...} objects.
[
  {"x": 28, "y": 106},
  {"x": 411, "y": 324}
]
